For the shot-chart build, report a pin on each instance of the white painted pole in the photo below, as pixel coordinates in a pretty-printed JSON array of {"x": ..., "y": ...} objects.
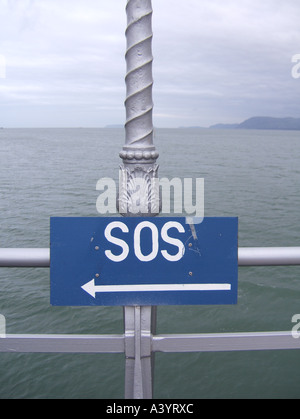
[{"x": 139, "y": 195}]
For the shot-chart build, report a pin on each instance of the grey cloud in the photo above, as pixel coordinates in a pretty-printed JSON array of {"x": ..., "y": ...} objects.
[{"x": 214, "y": 61}]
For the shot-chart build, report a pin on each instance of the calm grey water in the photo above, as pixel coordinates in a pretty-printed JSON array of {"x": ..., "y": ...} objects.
[{"x": 254, "y": 175}]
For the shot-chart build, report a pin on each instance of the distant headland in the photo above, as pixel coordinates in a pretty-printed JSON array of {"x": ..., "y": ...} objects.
[
  {"x": 263, "y": 122},
  {"x": 258, "y": 122}
]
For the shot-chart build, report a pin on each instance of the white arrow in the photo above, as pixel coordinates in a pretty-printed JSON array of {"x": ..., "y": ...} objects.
[{"x": 92, "y": 289}]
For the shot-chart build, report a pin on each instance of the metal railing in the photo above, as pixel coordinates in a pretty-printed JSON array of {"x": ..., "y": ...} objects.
[
  {"x": 139, "y": 342},
  {"x": 247, "y": 256}
]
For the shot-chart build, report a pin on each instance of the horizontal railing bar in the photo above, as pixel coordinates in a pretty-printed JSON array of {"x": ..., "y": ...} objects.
[
  {"x": 247, "y": 256},
  {"x": 225, "y": 342},
  {"x": 269, "y": 256},
  {"x": 115, "y": 344},
  {"x": 22, "y": 258},
  {"x": 86, "y": 344}
]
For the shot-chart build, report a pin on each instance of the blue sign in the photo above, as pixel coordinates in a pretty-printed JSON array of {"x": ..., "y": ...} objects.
[{"x": 143, "y": 261}]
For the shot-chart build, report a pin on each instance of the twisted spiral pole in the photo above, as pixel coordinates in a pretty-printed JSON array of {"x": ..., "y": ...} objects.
[
  {"x": 139, "y": 81},
  {"x": 139, "y": 154}
]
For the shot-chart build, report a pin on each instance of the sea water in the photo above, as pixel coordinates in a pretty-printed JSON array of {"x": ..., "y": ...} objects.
[{"x": 254, "y": 175}]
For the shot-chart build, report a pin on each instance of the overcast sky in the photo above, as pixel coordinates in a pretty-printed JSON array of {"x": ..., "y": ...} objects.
[{"x": 214, "y": 61}]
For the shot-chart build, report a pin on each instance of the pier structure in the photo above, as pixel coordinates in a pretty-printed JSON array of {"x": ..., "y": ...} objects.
[{"x": 138, "y": 197}]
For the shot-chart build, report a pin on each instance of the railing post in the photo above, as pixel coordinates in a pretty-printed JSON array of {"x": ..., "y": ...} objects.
[
  {"x": 138, "y": 186},
  {"x": 139, "y": 331}
]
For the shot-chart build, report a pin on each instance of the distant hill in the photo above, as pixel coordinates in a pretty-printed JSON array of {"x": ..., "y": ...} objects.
[
  {"x": 192, "y": 127},
  {"x": 263, "y": 122},
  {"x": 260, "y": 122},
  {"x": 225, "y": 126},
  {"x": 114, "y": 126}
]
